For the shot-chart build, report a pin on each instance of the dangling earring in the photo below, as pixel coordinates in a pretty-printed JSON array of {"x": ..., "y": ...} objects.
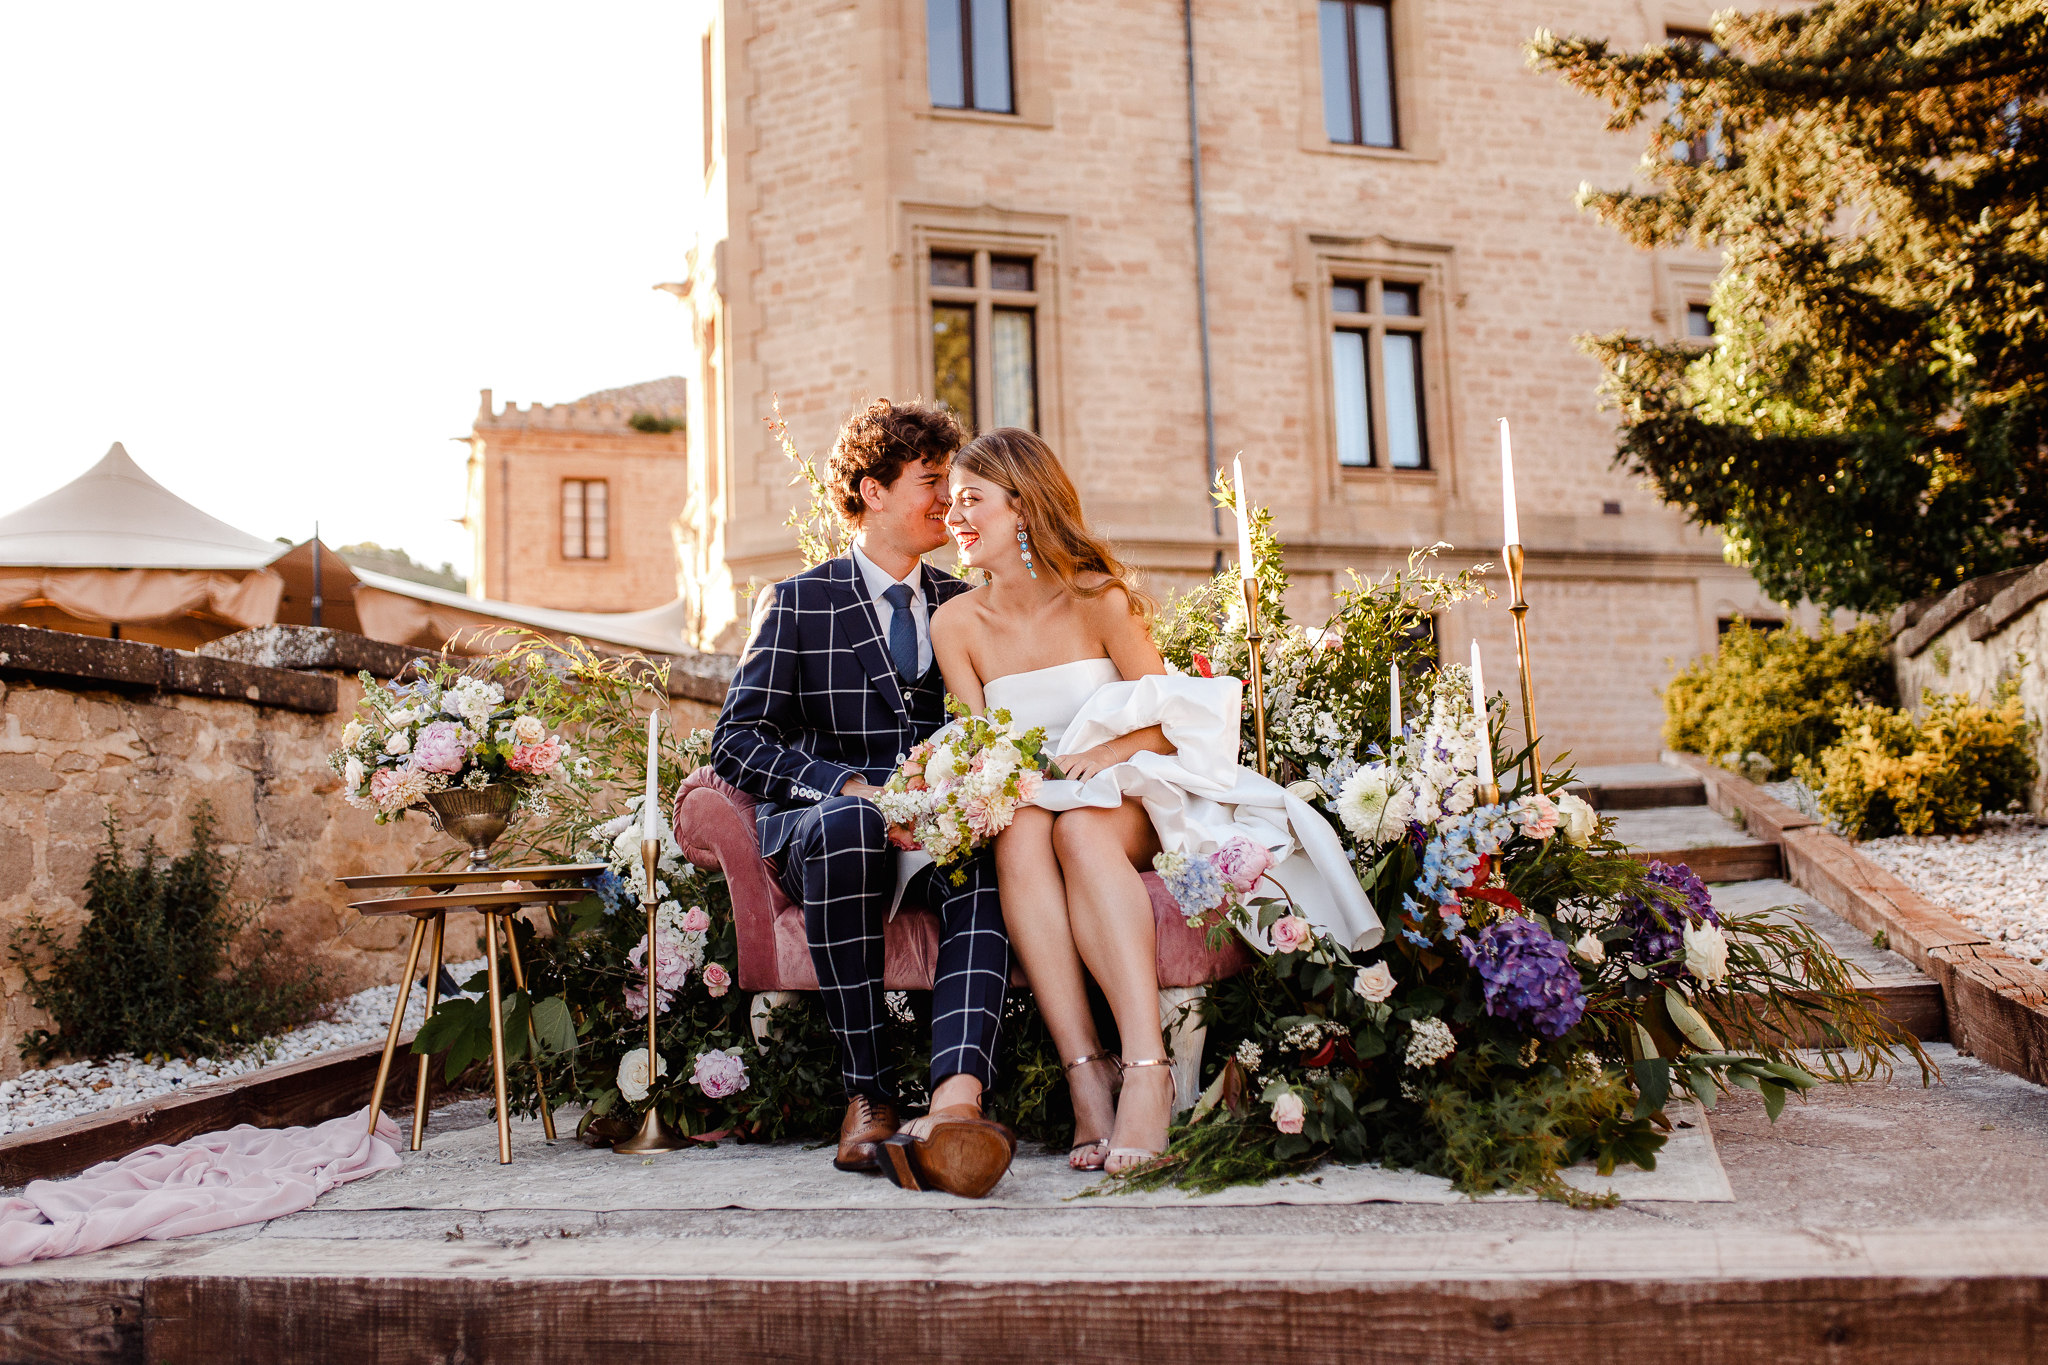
[{"x": 1024, "y": 548}]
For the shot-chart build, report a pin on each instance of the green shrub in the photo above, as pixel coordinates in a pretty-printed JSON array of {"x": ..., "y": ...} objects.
[
  {"x": 1774, "y": 694},
  {"x": 1892, "y": 774},
  {"x": 154, "y": 969}
]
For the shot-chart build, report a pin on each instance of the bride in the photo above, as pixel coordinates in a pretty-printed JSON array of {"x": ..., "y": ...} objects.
[{"x": 1060, "y": 638}]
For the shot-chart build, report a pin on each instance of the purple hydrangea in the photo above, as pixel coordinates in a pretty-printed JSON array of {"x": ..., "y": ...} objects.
[
  {"x": 1528, "y": 975},
  {"x": 1659, "y": 932}
]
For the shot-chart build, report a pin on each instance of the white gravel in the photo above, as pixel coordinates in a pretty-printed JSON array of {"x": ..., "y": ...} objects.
[
  {"x": 1995, "y": 881},
  {"x": 55, "y": 1093}
]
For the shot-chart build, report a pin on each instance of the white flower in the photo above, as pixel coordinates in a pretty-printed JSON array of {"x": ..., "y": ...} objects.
[
  {"x": 351, "y": 734},
  {"x": 1374, "y": 983},
  {"x": 1372, "y": 807},
  {"x": 353, "y": 773},
  {"x": 1250, "y": 1054},
  {"x": 1706, "y": 952},
  {"x": 528, "y": 730},
  {"x": 1590, "y": 949},
  {"x": 1430, "y": 1042},
  {"x": 633, "y": 1074},
  {"x": 1580, "y": 821},
  {"x": 399, "y": 743}
]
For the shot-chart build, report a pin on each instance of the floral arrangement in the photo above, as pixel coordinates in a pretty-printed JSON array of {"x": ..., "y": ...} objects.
[
  {"x": 960, "y": 788},
  {"x": 444, "y": 729}
]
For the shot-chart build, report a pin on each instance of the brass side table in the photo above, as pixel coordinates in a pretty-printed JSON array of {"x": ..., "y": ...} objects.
[{"x": 447, "y": 894}]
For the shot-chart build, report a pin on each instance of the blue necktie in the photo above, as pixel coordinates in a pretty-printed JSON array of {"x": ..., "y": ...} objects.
[{"x": 902, "y": 631}]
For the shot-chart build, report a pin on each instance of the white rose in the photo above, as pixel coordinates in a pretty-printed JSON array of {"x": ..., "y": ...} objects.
[
  {"x": 633, "y": 1074},
  {"x": 1590, "y": 948},
  {"x": 1581, "y": 822},
  {"x": 529, "y": 730},
  {"x": 1706, "y": 953},
  {"x": 353, "y": 773},
  {"x": 399, "y": 743},
  {"x": 1375, "y": 983},
  {"x": 351, "y": 734}
]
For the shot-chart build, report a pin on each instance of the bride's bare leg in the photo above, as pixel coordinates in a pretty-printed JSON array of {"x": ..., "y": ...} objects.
[
  {"x": 1034, "y": 898},
  {"x": 1100, "y": 852}
]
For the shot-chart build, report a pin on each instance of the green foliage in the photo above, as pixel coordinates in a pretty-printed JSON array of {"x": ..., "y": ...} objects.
[
  {"x": 821, "y": 533},
  {"x": 155, "y": 969},
  {"x": 1776, "y": 693},
  {"x": 1892, "y": 774},
  {"x": 654, "y": 423},
  {"x": 1869, "y": 425}
]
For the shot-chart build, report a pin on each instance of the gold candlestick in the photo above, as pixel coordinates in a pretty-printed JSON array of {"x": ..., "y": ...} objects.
[
  {"x": 654, "y": 1135},
  {"x": 1520, "y": 609},
  {"x": 1256, "y": 641}
]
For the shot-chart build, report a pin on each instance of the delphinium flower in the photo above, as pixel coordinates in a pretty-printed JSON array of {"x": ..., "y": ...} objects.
[
  {"x": 1658, "y": 937},
  {"x": 1528, "y": 976}
]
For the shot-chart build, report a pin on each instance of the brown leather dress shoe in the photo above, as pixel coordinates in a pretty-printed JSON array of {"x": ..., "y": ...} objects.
[
  {"x": 953, "y": 1149},
  {"x": 868, "y": 1123}
]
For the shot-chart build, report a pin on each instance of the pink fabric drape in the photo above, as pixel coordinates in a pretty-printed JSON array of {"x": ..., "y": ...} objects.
[
  {"x": 137, "y": 596},
  {"x": 213, "y": 1181}
]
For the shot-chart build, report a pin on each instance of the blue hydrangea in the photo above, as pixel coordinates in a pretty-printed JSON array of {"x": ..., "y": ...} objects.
[
  {"x": 1454, "y": 851},
  {"x": 1658, "y": 934},
  {"x": 611, "y": 889},
  {"x": 1193, "y": 882},
  {"x": 1528, "y": 975}
]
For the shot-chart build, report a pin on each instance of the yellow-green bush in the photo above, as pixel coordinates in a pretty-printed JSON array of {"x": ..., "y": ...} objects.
[
  {"x": 1776, "y": 693},
  {"x": 1892, "y": 774}
]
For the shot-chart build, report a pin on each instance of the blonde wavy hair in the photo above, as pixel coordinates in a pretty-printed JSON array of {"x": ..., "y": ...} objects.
[{"x": 1025, "y": 467}]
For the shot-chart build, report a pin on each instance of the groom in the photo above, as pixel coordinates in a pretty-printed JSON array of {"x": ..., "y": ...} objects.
[{"x": 836, "y": 685}]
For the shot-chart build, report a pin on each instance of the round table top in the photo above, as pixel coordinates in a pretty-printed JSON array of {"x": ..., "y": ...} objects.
[
  {"x": 470, "y": 900},
  {"x": 467, "y": 877}
]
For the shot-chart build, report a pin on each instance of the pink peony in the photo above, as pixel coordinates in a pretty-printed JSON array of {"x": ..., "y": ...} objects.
[
  {"x": 1288, "y": 1112},
  {"x": 695, "y": 921},
  {"x": 1292, "y": 933},
  {"x": 383, "y": 784},
  {"x": 719, "y": 1073},
  {"x": 536, "y": 758},
  {"x": 442, "y": 747},
  {"x": 717, "y": 980},
  {"x": 1241, "y": 863}
]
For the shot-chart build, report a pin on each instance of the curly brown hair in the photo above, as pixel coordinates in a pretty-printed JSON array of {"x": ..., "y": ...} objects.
[{"x": 878, "y": 440}]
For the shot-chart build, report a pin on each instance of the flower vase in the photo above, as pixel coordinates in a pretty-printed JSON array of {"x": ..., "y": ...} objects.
[{"x": 476, "y": 816}]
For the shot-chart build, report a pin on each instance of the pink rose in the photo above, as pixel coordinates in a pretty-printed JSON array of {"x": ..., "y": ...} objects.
[
  {"x": 1292, "y": 933},
  {"x": 1288, "y": 1112},
  {"x": 1029, "y": 782},
  {"x": 695, "y": 921},
  {"x": 1539, "y": 816},
  {"x": 536, "y": 758},
  {"x": 442, "y": 747},
  {"x": 717, "y": 980},
  {"x": 1241, "y": 863}
]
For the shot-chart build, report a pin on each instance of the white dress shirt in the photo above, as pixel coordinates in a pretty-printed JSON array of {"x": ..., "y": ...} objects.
[{"x": 879, "y": 582}]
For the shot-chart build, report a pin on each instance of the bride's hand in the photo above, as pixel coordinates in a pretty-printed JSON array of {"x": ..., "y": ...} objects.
[
  {"x": 1084, "y": 765},
  {"x": 901, "y": 836}
]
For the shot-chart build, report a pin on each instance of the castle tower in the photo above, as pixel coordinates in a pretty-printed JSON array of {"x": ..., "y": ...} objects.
[
  {"x": 574, "y": 505},
  {"x": 992, "y": 203}
]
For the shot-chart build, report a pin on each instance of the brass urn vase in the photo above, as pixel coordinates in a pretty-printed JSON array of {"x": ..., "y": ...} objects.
[{"x": 476, "y": 816}]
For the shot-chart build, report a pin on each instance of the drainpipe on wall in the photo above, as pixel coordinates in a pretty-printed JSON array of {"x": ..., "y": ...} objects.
[{"x": 1187, "y": 13}]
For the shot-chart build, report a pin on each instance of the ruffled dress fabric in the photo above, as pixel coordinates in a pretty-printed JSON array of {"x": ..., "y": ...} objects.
[{"x": 1199, "y": 796}]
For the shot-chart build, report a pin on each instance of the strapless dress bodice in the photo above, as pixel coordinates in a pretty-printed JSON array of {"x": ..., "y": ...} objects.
[{"x": 1050, "y": 697}]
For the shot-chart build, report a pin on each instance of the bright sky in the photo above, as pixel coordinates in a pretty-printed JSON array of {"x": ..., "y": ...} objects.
[{"x": 276, "y": 249}]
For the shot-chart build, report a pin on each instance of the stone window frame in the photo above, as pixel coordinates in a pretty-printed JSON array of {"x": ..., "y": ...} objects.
[
  {"x": 926, "y": 228},
  {"x": 1681, "y": 284},
  {"x": 1414, "y": 86},
  {"x": 1325, "y": 258},
  {"x": 1030, "y": 88},
  {"x": 561, "y": 555}
]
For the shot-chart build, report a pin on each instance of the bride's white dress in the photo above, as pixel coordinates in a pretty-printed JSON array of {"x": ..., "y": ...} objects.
[{"x": 1199, "y": 797}]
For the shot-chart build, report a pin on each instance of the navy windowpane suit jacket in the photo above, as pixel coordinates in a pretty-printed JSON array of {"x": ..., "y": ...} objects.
[{"x": 816, "y": 700}]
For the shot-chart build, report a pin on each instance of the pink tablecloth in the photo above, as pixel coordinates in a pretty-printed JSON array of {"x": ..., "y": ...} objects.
[{"x": 213, "y": 1181}]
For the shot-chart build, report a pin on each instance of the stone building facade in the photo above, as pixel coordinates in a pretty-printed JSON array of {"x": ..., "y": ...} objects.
[
  {"x": 573, "y": 505},
  {"x": 993, "y": 203}
]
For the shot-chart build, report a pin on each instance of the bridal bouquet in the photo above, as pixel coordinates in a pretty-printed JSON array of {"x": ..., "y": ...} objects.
[
  {"x": 961, "y": 788},
  {"x": 444, "y": 730}
]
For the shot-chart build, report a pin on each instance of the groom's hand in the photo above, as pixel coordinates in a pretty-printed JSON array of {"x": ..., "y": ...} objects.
[{"x": 855, "y": 787}]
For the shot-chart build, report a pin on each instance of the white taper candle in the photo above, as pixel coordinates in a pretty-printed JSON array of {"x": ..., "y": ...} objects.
[
  {"x": 650, "y": 823},
  {"x": 1485, "y": 728},
  {"x": 1511, "y": 533},
  {"x": 1245, "y": 566},
  {"x": 1394, "y": 701}
]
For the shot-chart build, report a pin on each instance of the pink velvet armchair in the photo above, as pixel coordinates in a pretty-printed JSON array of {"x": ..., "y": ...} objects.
[{"x": 714, "y": 823}]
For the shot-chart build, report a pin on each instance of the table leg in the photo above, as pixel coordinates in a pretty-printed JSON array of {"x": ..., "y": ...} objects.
[
  {"x": 412, "y": 961},
  {"x": 497, "y": 1040},
  {"x": 420, "y": 1091},
  {"x": 540, "y": 1084}
]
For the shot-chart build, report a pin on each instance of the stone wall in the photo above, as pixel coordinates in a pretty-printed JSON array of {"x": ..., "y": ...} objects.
[
  {"x": 76, "y": 749},
  {"x": 1972, "y": 639}
]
